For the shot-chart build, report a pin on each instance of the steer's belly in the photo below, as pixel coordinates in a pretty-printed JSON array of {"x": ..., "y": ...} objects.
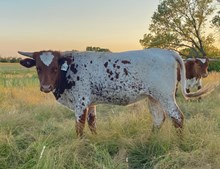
[{"x": 119, "y": 98}]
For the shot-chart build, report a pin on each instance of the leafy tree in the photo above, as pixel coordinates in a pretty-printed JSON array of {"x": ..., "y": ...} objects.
[
  {"x": 180, "y": 24},
  {"x": 97, "y": 49},
  {"x": 216, "y": 20}
]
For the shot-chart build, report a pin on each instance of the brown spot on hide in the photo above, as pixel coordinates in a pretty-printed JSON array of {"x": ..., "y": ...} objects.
[
  {"x": 73, "y": 68},
  {"x": 106, "y": 64},
  {"x": 109, "y": 72},
  {"x": 125, "y": 71},
  {"x": 116, "y": 75},
  {"x": 125, "y": 62}
]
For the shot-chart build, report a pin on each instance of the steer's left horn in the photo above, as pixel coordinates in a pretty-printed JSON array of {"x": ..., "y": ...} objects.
[{"x": 28, "y": 54}]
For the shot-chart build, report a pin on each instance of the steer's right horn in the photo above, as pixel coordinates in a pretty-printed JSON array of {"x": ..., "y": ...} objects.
[{"x": 28, "y": 54}]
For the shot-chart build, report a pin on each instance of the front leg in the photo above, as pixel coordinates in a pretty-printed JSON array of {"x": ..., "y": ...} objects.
[
  {"x": 81, "y": 110},
  {"x": 80, "y": 123},
  {"x": 91, "y": 119},
  {"x": 199, "y": 86}
]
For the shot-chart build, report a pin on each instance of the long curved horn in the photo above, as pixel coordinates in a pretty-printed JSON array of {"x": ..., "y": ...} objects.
[{"x": 28, "y": 54}]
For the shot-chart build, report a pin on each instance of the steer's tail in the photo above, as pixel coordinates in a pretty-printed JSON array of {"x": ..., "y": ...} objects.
[{"x": 200, "y": 93}]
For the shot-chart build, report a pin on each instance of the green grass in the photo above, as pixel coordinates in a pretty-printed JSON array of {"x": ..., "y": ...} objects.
[
  {"x": 31, "y": 120},
  {"x": 13, "y": 75}
]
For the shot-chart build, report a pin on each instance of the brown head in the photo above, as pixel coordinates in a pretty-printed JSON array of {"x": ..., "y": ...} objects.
[
  {"x": 48, "y": 65},
  {"x": 201, "y": 67}
]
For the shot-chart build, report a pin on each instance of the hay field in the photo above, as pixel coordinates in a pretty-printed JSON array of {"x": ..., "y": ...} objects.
[{"x": 36, "y": 132}]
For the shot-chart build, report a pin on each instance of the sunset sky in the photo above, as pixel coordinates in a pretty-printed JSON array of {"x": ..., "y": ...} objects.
[{"x": 32, "y": 25}]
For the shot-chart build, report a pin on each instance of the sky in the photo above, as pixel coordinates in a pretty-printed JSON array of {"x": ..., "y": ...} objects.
[{"x": 33, "y": 25}]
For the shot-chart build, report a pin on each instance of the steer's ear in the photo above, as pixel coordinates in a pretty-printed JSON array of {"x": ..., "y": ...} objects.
[
  {"x": 64, "y": 63},
  {"x": 28, "y": 62},
  {"x": 66, "y": 60}
]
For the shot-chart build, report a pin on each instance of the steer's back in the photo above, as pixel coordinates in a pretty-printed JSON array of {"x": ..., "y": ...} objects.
[{"x": 122, "y": 78}]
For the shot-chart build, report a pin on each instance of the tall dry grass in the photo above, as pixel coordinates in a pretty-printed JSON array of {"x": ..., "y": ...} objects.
[{"x": 36, "y": 132}]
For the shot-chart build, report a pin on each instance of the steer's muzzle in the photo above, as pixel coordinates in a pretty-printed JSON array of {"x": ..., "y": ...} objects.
[
  {"x": 46, "y": 88},
  {"x": 204, "y": 75}
]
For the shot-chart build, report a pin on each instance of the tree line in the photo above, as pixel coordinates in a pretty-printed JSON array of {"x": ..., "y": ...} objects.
[
  {"x": 9, "y": 59},
  {"x": 182, "y": 25},
  {"x": 17, "y": 60}
]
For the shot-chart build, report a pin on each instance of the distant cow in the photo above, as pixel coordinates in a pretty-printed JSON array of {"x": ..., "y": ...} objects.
[
  {"x": 80, "y": 80},
  {"x": 195, "y": 70}
]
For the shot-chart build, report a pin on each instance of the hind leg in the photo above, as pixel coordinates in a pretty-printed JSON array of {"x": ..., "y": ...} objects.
[
  {"x": 170, "y": 106},
  {"x": 157, "y": 113},
  {"x": 91, "y": 119}
]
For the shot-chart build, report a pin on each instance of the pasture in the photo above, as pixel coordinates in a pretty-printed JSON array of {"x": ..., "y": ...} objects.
[{"x": 37, "y": 132}]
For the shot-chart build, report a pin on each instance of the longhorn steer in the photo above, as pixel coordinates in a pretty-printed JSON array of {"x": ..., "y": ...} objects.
[
  {"x": 79, "y": 80},
  {"x": 196, "y": 69}
]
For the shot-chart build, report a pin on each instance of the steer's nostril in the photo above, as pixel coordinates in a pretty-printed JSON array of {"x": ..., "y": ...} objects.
[{"x": 46, "y": 88}]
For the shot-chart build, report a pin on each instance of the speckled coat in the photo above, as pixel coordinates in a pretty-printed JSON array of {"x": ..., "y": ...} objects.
[{"x": 123, "y": 78}]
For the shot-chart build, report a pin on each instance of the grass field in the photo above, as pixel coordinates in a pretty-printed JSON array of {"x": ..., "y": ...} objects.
[{"x": 37, "y": 132}]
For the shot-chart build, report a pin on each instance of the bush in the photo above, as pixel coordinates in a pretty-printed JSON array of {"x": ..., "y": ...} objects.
[
  {"x": 214, "y": 66},
  {"x": 9, "y": 60},
  {"x": 97, "y": 49}
]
